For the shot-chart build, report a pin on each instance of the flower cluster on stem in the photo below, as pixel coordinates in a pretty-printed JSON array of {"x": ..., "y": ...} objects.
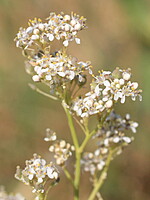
[{"x": 65, "y": 76}]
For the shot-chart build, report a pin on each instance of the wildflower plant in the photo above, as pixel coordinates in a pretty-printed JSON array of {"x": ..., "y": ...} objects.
[{"x": 66, "y": 77}]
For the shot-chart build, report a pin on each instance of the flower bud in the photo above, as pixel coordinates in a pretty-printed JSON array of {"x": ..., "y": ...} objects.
[
  {"x": 134, "y": 85},
  {"x": 73, "y": 22},
  {"x": 126, "y": 76},
  {"x": 36, "y": 31},
  {"x": 67, "y": 17},
  {"x": 109, "y": 104},
  {"x": 35, "y": 78}
]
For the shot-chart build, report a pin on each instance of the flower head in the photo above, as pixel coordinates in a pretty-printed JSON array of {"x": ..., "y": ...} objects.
[
  {"x": 57, "y": 70},
  {"x": 106, "y": 89},
  {"x": 60, "y": 27},
  {"x": 36, "y": 173},
  {"x": 112, "y": 136},
  {"x": 62, "y": 151}
]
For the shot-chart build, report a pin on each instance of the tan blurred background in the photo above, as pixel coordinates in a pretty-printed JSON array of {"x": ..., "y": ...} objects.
[{"x": 118, "y": 35}]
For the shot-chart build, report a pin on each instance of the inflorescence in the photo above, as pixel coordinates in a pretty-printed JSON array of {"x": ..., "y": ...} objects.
[
  {"x": 62, "y": 150},
  {"x": 36, "y": 173},
  {"x": 65, "y": 75},
  {"x": 113, "y": 136},
  {"x": 106, "y": 89}
]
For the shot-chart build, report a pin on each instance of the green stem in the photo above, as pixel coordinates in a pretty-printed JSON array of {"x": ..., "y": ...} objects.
[
  {"x": 77, "y": 153},
  {"x": 68, "y": 175},
  {"x": 82, "y": 127},
  {"x": 101, "y": 179},
  {"x": 33, "y": 87},
  {"x": 47, "y": 191},
  {"x": 41, "y": 196},
  {"x": 72, "y": 128},
  {"x": 77, "y": 176},
  {"x": 87, "y": 138}
]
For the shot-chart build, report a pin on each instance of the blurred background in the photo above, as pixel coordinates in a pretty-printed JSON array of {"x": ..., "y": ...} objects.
[{"x": 118, "y": 34}]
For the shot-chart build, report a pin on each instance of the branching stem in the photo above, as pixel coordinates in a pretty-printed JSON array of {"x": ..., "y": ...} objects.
[{"x": 102, "y": 178}]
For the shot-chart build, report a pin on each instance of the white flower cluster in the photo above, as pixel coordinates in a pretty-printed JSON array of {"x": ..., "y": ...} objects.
[
  {"x": 111, "y": 136},
  {"x": 60, "y": 27},
  {"x": 58, "y": 69},
  {"x": 114, "y": 130},
  {"x": 5, "y": 196},
  {"x": 106, "y": 89},
  {"x": 92, "y": 162},
  {"x": 36, "y": 173},
  {"x": 62, "y": 150}
]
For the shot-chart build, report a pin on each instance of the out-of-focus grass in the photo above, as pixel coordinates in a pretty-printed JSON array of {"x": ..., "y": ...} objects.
[{"x": 118, "y": 35}]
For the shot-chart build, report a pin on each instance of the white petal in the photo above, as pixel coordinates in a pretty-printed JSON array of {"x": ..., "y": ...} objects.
[
  {"x": 116, "y": 139},
  {"x": 127, "y": 139},
  {"x": 55, "y": 174},
  {"x": 62, "y": 74},
  {"x": 126, "y": 76},
  {"x": 97, "y": 90},
  {"x": 40, "y": 180},
  {"x": 34, "y": 37},
  {"x": 51, "y": 37},
  {"x": 48, "y": 77},
  {"x": 30, "y": 176},
  {"x": 66, "y": 43},
  {"x": 134, "y": 85},
  {"x": 123, "y": 99},
  {"x": 77, "y": 40},
  {"x": 107, "y": 83},
  {"x": 35, "y": 78},
  {"x": 29, "y": 30},
  {"x": 109, "y": 104},
  {"x": 50, "y": 172}
]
